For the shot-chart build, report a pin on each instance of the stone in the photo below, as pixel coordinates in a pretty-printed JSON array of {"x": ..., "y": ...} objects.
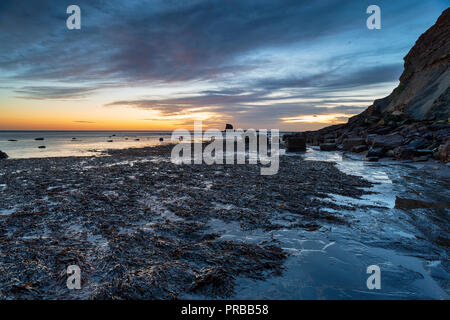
[
  {"x": 328, "y": 147},
  {"x": 374, "y": 152},
  {"x": 38, "y": 139},
  {"x": 161, "y": 139},
  {"x": 444, "y": 151},
  {"x": 404, "y": 153},
  {"x": 228, "y": 127},
  {"x": 295, "y": 143},
  {"x": 389, "y": 141},
  {"x": 359, "y": 149},
  {"x": 352, "y": 142},
  {"x": 3, "y": 155},
  {"x": 41, "y": 147},
  {"x": 418, "y": 143}
]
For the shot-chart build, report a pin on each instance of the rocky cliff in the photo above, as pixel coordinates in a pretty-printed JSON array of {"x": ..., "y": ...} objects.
[{"x": 413, "y": 121}]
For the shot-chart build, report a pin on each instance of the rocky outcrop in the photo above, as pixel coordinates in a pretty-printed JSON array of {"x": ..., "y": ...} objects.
[
  {"x": 295, "y": 143},
  {"x": 413, "y": 121},
  {"x": 3, "y": 155}
]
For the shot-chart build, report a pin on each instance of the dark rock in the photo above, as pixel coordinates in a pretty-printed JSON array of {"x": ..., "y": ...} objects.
[
  {"x": 444, "y": 152},
  {"x": 408, "y": 204},
  {"x": 38, "y": 139},
  {"x": 296, "y": 143},
  {"x": 358, "y": 149},
  {"x": 352, "y": 142},
  {"x": 374, "y": 152},
  {"x": 328, "y": 146},
  {"x": 12, "y": 140},
  {"x": 371, "y": 159},
  {"x": 110, "y": 141},
  {"x": 42, "y": 147},
  {"x": 404, "y": 153},
  {"x": 370, "y": 138},
  {"x": 418, "y": 143},
  {"x": 387, "y": 142},
  {"x": 161, "y": 139},
  {"x": 390, "y": 153},
  {"x": 228, "y": 127},
  {"x": 3, "y": 155}
]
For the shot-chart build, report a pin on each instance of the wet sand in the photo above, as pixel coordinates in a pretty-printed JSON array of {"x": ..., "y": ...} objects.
[{"x": 140, "y": 227}]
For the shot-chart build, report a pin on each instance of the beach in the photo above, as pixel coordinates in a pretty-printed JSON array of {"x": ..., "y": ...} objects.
[{"x": 141, "y": 227}]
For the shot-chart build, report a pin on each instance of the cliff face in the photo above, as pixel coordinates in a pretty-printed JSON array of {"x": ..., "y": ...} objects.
[
  {"x": 423, "y": 92},
  {"x": 413, "y": 121}
]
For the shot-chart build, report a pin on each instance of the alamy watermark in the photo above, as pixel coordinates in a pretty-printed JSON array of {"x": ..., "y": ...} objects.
[{"x": 236, "y": 142}]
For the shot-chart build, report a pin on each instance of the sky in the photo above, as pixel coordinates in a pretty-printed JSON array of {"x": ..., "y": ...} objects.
[{"x": 161, "y": 64}]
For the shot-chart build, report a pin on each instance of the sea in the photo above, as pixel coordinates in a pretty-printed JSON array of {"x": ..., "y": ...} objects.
[{"x": 23, "y": 144}]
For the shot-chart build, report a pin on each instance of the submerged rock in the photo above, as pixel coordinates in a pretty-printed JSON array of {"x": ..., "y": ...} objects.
[{"x": 38, "y": 139}]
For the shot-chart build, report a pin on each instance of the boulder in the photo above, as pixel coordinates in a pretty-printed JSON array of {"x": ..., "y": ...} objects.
[
  {"x": 295, "y": 143},
  {"x": 444, "y": 151},
  {"x": 39, "y": 139},
  {"x": 359, "y": 149},
  {"x": 387, "y": 142},
  {"x": 404, "y": 153},
  {"x": 328, "y": 147},
  {"x": 228, "y": 127},
  {"x": 374, "y": 152},
  {"x": 418, "y": 143},
  {"x": 3, "y": 155},
  {"x": 42, "y": 147},
  {"x": 352, "y": 142}
]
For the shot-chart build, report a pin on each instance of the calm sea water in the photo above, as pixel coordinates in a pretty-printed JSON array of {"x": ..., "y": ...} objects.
[{"x": 75, "y": 143}]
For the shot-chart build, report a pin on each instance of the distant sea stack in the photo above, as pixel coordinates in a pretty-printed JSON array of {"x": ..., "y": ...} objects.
[{"x": 413, "y": 121}]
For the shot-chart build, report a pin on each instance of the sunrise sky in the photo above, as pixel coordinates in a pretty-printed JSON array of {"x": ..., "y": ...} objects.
[{"x": 160, "y": 65}]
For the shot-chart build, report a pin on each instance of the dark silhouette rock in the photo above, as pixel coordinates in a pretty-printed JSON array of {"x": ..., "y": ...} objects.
[
  {"x": 42, "y": 147},
  {"x": 228, "y": 127},
  {"x": 38, "y": 139},
  {"x": 3, "y": 155}
]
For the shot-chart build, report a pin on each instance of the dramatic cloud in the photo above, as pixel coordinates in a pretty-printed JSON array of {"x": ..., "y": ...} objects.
[{"x": 261, "y": 59}]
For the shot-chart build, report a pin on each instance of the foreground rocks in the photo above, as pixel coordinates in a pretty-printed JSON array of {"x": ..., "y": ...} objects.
[
  {"x": 3, "y": 155},
  {"x": 413, "y": 121}
]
